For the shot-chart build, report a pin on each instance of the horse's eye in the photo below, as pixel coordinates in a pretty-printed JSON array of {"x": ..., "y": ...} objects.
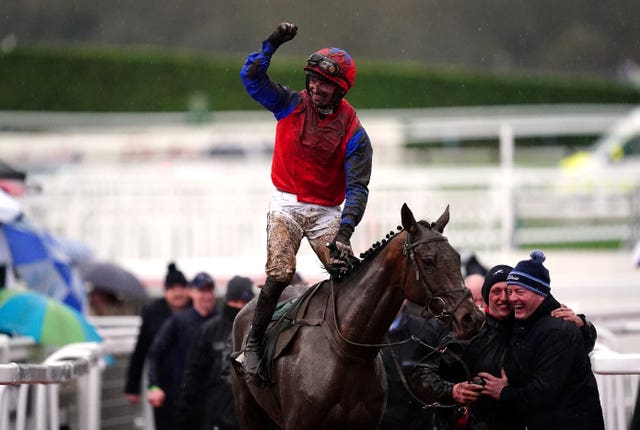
[{"x": 429, "y": 263}]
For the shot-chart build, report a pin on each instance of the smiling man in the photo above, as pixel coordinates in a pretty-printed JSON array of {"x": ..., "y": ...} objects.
[
  {"x": 547, "y": 380},
  {"x": 321, "y": 158}
]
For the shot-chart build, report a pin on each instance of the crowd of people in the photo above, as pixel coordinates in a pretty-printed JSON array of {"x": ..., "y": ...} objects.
[
  {"x": 527, "y": 368},
  {"x": 183, "y": 344}
]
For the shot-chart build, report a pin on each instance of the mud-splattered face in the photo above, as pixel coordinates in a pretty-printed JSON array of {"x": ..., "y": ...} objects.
[{"x": 321, "y": 91}]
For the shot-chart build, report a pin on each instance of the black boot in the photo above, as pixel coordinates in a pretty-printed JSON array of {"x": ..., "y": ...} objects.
[{"x": 267, "y": 302}]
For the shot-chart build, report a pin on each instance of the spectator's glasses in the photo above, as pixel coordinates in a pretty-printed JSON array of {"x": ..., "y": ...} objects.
[{"x": 326, "y": 64}]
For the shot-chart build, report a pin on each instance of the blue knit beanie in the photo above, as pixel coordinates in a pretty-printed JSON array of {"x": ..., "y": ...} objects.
[{"x": 531, "y": 274}]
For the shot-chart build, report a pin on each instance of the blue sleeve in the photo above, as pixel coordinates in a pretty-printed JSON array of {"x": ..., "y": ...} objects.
[
  {"x": 358, "y": 172},
  {"x": 272, "y": 96}
]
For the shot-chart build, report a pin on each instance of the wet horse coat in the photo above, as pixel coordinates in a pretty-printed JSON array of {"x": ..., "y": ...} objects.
[{"x": 331, "y": 376}]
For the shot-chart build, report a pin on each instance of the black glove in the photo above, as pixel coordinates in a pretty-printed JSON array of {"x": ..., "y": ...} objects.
[
  {"x": 284, "y": 32},
  {"x": 341, "y": 252}
]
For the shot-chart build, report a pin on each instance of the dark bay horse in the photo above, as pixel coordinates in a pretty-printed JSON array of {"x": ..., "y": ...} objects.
[{"x": 331, "y": 375}]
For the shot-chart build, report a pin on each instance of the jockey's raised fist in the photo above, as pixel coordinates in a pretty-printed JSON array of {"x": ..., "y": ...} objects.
[{"x": 284, "y": 32}]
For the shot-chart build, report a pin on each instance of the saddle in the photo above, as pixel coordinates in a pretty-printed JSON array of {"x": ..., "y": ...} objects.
[{"x": 287, "y": 320}]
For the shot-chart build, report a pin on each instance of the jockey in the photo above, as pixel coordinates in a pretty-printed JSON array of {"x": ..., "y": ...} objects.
[{"x": 322, "y": 158}]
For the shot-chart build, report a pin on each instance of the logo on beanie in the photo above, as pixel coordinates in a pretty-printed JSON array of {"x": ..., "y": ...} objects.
[{"x": 531, "y": 274}]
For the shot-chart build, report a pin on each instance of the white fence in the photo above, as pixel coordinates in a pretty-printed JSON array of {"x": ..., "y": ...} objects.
[
  {"x": 161, "y": 195},
  {"x": 79, "y": 363},
  {"x": 213, "y": 212},
  {"x": 618, "y": 376}
]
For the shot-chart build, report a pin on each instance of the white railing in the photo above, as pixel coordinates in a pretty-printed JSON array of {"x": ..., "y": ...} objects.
[
  {"x": 618, "y": 376},
  {"x": 165, "y": 197},
  {"x": 216, "y": 209},
  {"x": 80, "y": 362}
]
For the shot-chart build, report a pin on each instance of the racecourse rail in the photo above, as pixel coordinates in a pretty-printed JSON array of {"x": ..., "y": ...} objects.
[
  {"x": 207, "y": 185},
  {"x": 617, "y": 374}
]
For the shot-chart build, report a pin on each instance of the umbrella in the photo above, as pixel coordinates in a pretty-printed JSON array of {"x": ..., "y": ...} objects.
[
  {"x": 42, "y": 262},
  {"x": 49, "y": 322},
  {"x": 114, "y": 279},
  {"x": 10, "y": 209}
]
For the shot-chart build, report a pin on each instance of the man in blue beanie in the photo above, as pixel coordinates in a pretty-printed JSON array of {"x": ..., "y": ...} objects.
[{"x": 547, "y": 380}]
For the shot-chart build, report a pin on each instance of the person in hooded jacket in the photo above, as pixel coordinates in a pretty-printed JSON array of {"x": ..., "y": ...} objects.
[
  {"x": 321, "y": 159},
  {"x": 546, "y": 382}
]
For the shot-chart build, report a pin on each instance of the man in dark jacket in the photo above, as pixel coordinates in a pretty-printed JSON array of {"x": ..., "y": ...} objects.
[
  {"x": 171, "y": 345},
  {"x": 321, "y": 159},
  {"x": 206, "y": 400},
  {"x": 547, "y": 380},
  {"x": 154, "y": 314}
]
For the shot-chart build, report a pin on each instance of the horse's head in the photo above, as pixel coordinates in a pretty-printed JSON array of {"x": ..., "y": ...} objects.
[{"x": 432, "y": 275}]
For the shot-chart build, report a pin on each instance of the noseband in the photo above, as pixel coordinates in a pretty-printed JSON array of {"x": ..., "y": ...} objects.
[{"x": 408, "y": 250}]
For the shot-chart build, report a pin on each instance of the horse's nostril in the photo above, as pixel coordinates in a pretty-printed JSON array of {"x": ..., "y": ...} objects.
[{"x": 470, "y": 323}]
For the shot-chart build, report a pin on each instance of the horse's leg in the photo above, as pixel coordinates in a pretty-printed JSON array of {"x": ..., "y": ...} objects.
[{"x": 249, "y": 413}]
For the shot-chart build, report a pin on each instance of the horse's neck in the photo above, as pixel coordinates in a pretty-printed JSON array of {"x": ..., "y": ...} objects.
[{"x": 367, "y": 304}]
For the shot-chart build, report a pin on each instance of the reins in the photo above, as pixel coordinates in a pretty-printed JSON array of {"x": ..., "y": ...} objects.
[{"x": 440, "y": 350}]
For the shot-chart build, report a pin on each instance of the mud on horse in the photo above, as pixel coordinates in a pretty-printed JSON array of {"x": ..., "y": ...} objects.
[{"x": 330, "y": 375}]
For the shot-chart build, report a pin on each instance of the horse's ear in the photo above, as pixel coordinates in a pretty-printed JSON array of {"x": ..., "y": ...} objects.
[
  {"x": 442, "y": 221},
  {"x": 408, "y": 221}
]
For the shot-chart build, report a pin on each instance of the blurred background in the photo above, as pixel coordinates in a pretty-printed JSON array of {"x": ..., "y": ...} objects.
[
  {"x": 582, "y": 37},
  {"x": 127, "y": 135}
]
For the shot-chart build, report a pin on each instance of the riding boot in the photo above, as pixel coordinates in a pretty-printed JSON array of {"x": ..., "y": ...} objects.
[{"x": 267, "y": 302}]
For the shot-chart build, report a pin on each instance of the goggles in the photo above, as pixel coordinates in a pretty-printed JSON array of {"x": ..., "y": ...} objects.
[{"x": 326, "y": 64}]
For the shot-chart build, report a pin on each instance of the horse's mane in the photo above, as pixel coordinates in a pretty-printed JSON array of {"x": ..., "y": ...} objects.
[{"x": 373, "y": 250}]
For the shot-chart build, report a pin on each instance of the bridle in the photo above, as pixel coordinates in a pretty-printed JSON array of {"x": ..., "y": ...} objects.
[{"x": 408, "y": 250}]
